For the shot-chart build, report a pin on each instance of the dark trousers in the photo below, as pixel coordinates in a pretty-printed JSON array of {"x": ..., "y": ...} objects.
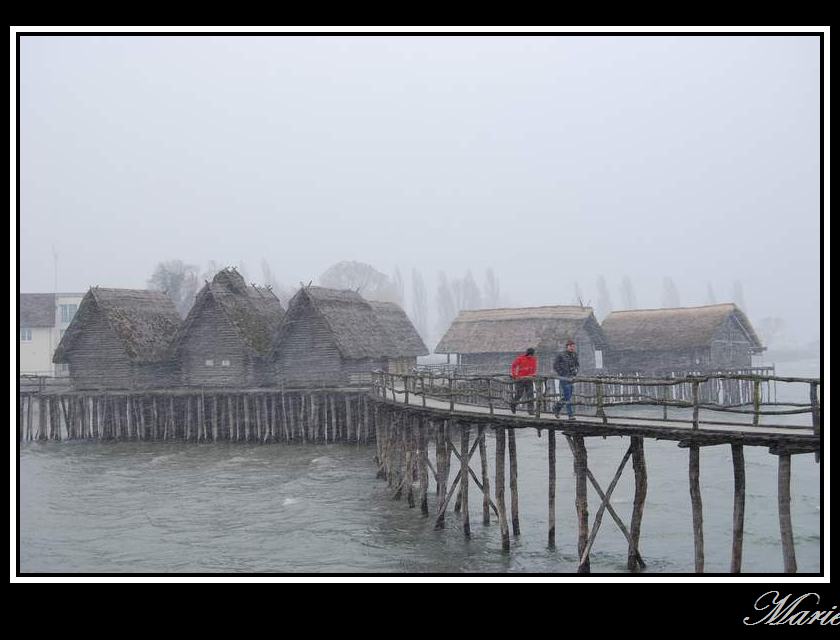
[
  {"x": 566, "y": 388},
  {"x": 520, "y": 388}
]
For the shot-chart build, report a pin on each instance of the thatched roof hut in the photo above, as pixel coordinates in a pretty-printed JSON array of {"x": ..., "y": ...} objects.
[
  {"x": 120, "y": 338},
  {"x": 332, "y": 336},
  {"x": 488, "y": 339},
  {"x": 405, "y": 343},
  {"x": 681, "y": 339},
  {"x": 227, "y": 337}
]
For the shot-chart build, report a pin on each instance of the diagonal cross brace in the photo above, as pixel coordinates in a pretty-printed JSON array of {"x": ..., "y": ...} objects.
[
  {"x": 472, "y": 473},
  {"x": 604, "y": 502}
]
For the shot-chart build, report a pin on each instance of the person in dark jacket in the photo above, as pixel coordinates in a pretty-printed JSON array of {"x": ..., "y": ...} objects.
[
  {"x": 566, "y": 365},
  {"x": 523, "y": 369}
]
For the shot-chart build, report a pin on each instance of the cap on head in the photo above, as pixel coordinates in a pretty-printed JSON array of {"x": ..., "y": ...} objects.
[
  {"x": 570, "y": 342},
  {"x": 530, "y": 351}
]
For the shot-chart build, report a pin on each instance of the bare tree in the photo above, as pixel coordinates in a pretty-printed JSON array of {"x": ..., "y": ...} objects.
[
  {"x": 445, "y": 304},
  {"x": 471, "y": 294},
  {"x": 284, "y": 293},
  {"x": 604, "y": 301},
  {"x": 710, "y": 295},
  {"x": 738, "y": 295},
  {"x": 419, "y": 303},
  {"x": 398, "y": 287},
  {"x": 177, "y": 280},
  {"x": 771, "y": 330},
  {"x": 670, "y": 295},
  {"x": 492, "y": 294},
  {"x": 628, "y": 294},
  {"x": 361, "y": 277}
]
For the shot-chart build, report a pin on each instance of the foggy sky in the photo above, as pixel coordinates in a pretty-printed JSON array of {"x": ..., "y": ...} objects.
[{"x": 551, "y": 159}]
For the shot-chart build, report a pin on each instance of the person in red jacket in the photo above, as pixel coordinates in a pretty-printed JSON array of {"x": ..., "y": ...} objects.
[{"x": 523, "y": 369}]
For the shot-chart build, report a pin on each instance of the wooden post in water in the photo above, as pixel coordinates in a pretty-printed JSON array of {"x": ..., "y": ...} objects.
[
  {"x": 785, "y": 524},
  {"x": 756, "y": 401},
  {"x": 485, "y": 476},
  {"x": 696, "y": 505},
  {"x": 738, "y": 510},
  {"x": 465, "y": 477},
  {"x": 634, "y": 560},
  {"x": 514, "y": 483},
  {"x": 552, "y": 482},
  {"x": 578, "y": 446},
  {"x": 422, "y": 437},
  {"x": 500, "y": 487},
  {"x": 816, "y": 417}
]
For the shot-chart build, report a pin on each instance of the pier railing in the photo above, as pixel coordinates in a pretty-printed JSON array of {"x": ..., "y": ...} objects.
[{"x": 747, "y": 397}]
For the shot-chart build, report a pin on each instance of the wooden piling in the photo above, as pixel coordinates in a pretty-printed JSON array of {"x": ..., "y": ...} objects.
[
  {"x": 422, "y": 436},
  {"x": 465, "y": 478},
  {"x": 552, "y": 483},
  {"x": 738, "y": 509},
  {"x": 785, "y": 524},
  {"x": 581, "y": 506},
  {"x": 634, "y": 559},
  {"x": 514, "y": 482},
  {"x": 500, "y": 488},
  {"x": 696, "y": 506},
  {"x": 485, "y": 476}
]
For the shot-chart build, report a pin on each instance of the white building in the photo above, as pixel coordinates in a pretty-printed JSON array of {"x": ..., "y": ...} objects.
[{"x": 43, "y": 318}]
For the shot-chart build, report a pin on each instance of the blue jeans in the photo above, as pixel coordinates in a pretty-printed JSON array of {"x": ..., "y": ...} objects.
[{"x": 566, "y": 387}]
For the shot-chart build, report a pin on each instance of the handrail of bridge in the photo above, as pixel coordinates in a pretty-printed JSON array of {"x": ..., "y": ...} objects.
[{"x": 496, "y": 391}]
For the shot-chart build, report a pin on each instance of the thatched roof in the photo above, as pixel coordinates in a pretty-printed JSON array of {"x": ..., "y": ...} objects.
[
  {"x": 145, "y": 322},
  {"x": 359, "y": 330},
  {"x": 36, "y": 309},
  {"x": 254, "y": 312},
  {"x": 671, "y": 329},
  {"x": 514, "y": 330},
  {"x": 402, "y": 334}
]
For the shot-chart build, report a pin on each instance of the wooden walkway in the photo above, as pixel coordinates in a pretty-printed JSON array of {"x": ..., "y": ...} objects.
[{"x": 412, "y": 411}]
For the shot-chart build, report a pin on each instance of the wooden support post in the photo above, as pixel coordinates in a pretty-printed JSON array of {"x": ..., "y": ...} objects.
[
  {"x": 423, "y": 390},
  {"x": 443, "y": 458},
  {"x": 485, "y": 476},
  {"x": 451, "y": 393},
  {"x": 738, "y": 510},
  {"x": 465, "y": 478},
  {"x": 552, "y": 483},
  {"x": 695, "y": 398},
  {"x": 514, "y": 482},
  {"x": 422, "y": 437},
  {"x": 634, "y": 558},
  {"x": 756, "y": 401},
  {"x": 696, "y": 505},
  {"x": 490, "y": 395},
  {"x": 500, "y": 487},
  {"x": 666, "y": 400},
  {"x": 816, "y": 416},
  {"x": 538, "y": 389},
  {"x": 580, "y": 466},
  {"x": 785, "y": 524}
]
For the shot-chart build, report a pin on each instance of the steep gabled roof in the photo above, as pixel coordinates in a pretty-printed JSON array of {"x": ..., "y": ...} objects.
[
  {"x": 145, "y": 322},
  {"x": 514, "y": 330},
  {"x": 36, "y": 309},
  {"x": 400, "y": 330},
  {"x": 350, "y": 319},
  {"x": 671, "y": 329},
  {"x": 255, "y": 313}
]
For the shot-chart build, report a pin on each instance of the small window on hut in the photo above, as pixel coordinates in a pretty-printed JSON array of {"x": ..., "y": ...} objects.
[
  {"x": 208, "y": 363},
  {"x": 225, "y": 363},
  {"x": 599, "y": 359}
]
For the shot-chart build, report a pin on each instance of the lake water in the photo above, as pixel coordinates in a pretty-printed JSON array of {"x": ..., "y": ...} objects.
[{"x": 136, "y": 507}]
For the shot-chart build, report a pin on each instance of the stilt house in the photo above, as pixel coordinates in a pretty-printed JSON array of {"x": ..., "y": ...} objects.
[
  {"x": 487, "y": 340},
  {"x": 336, "y": 337},
  {"x": 227, "y": 337},
  {"x": 120, "y": 339},
  {"x": 661, "y": 341}
]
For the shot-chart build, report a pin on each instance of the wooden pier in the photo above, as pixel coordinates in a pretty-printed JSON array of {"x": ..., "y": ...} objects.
[{"x": 422, "y": 424}]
